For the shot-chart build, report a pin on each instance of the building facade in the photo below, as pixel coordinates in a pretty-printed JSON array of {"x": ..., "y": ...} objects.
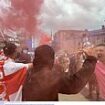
[{"x": 73, "y": 40}]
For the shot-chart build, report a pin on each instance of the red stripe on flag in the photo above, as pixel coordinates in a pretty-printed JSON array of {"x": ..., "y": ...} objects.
[{"x": 15, "y": 80}]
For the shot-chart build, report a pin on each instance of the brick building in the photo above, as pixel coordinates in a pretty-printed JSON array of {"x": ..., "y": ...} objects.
[{"x": 72, "y": 40}]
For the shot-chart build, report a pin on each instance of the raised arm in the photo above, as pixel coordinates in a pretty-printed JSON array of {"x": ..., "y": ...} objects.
[{"x": 74, "y": 83}]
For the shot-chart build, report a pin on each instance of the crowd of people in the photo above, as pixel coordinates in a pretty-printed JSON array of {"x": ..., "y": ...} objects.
[{"x": 47, "y": 74}]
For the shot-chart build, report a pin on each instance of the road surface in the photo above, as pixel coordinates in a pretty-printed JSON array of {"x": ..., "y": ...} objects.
[{"x": 77, "y": 97}]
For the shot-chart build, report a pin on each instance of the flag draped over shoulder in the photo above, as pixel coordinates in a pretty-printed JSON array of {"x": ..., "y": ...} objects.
[
  {"x": 15, "y": 80},
  {"x": 12, "y": 82}
]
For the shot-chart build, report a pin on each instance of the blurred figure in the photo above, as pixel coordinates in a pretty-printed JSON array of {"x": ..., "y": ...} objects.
[
  {"x": 63, "y": 60},
  {"x": 2, "y": 56},
  {"x": 73, "y": 64},
  {"x": 45, "y": 80},
  {"x": 93, "y": 88},
  {"x": 100, "y": 69},
  {"x": 24, "y": 57},
  {"x": 76, "y": 60},
  {"x": 92, "y": 84}
]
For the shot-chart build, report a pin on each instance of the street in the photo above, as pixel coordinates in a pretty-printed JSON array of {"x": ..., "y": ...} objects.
[{"x": 76, "y": 97}]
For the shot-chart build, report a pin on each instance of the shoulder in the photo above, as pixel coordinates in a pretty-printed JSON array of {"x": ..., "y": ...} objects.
[{"x": 12, "y": 67}]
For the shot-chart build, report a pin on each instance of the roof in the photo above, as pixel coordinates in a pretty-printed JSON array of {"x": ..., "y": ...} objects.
[{"x": 81, "y": 32}]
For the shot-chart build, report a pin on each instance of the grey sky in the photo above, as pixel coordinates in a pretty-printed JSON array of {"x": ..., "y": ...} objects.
[
  {"x": 72, "y": 14},
  {"x": 69, "y": 14}
]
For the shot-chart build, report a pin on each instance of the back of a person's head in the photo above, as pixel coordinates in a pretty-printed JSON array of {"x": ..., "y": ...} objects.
[
  {"x": 44, "y": 55},
  {"x": 9, "y": 49}
]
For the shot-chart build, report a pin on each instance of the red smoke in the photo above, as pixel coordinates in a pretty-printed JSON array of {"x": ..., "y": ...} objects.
[
  {"x": 45, "y": 38},
  {"x": 29, "y": 7},
  {"x": 23, "y": 14}
]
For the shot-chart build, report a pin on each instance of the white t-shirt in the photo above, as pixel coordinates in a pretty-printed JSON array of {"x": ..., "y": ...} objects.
[{"x": 11, "y": 67}]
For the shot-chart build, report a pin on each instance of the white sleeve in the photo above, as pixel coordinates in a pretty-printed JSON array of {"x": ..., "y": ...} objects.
[{"x": 13, "y": 67}]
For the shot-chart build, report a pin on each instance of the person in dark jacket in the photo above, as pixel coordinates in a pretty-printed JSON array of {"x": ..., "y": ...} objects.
[{"x": 46, "y": 80}]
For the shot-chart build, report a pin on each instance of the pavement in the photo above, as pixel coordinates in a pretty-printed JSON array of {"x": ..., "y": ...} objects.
[
  {"x": 77, "y": 97},
  {"x": 85, "y": 93},
  {"x": 82, "y": 96}
]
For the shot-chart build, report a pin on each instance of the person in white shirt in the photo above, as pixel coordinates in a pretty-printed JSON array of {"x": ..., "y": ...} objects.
[{"x": 16, "y": 70}]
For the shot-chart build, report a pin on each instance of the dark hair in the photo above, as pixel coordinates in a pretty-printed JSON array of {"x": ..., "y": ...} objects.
[
  {"x": 25, "y": 49},
  {"x": 102, "y": 44},
  {"x": 9, "y": 49},
  {"x": 44, "y": 55}
]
